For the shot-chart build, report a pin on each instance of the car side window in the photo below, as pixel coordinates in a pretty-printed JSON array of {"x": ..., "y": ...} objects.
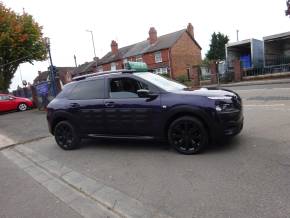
[
  {"x": 125, "y": 87},
  {"x": 93, "y": 89},
  {"x": 4, "y": 97}
]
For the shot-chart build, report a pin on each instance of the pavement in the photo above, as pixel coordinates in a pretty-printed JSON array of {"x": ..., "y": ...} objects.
[{"x": 247, "y": 176}]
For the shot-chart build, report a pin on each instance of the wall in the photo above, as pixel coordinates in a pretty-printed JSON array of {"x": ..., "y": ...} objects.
[
  {"x": 148, "y": 58},
  {"x": 185, "y": 54}
]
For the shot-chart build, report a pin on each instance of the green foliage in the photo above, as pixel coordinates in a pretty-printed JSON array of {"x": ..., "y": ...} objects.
[
  {"x": 21, "y": 41},
  {"x": 217, "y": 46},
  {"x": 182, "y": 79},
  {"x": 166, "y": 75},
  {"x": 205, "y": 62}
]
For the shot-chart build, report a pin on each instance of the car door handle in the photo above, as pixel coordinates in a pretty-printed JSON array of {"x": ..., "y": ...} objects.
[
  {"x": 74, "y": 105},
  {"x": 110, "y": 104}
]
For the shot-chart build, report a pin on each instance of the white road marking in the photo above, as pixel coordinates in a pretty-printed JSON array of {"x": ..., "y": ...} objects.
[{"x": 264, "y": 105}]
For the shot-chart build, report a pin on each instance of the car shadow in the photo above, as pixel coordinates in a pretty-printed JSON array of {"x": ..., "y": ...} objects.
[
  {"x": 124, "y": 144},
  {"x": 225, "y": 145}
]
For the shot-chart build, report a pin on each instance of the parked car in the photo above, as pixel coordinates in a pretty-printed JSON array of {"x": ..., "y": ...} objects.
[
  {"x": 10, "y": 102},
  {"x": 143, "y": 105}
]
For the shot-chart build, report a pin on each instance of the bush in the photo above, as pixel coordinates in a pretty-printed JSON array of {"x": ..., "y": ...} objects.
[
  {"x": 182, "y": 79},
  {"x": 166, "y": 75}
]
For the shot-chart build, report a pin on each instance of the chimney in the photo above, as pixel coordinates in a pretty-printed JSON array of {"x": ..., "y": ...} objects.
[
  {"x": 190, "y": 29},
  {"x": 114, "y": 47},
  {"x": 152, "y": 35}
]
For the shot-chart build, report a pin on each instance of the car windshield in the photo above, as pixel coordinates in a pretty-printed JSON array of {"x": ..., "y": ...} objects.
[{"x": 160, "y": 81}]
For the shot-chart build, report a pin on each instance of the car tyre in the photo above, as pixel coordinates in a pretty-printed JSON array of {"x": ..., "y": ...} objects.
[
  {"x": 66, "y": 136},
  {"x": 187, "y": 135},
  {"x": 22, "y": 107}
]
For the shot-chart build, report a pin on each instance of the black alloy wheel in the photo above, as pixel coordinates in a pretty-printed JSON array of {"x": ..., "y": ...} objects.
[
  {"x": 66, "y": 136},
  {"x": 187, "y": 135}
]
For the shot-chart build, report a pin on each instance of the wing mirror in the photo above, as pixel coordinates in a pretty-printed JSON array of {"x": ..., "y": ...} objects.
[{"x": 143, "y": 93}]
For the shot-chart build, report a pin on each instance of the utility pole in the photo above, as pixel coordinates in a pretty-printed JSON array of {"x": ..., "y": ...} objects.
[
  {"x": 52, "y": 76},
  {"x": 93, "y": 41},
  {"x": 75, "y": 58},
  {"x": 237, "y": 35}
]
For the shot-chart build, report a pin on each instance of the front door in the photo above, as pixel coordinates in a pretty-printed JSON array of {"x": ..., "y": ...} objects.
[
  {"x": 7, "y": 103},
  {"x": 126, "y": 112}
]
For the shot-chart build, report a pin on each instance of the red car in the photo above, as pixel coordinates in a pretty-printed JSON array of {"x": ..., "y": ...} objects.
[{"x": 10, "y": 102}]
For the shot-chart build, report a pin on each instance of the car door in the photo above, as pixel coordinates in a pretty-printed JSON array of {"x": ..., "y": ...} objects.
[
  {"x": 86, "y": 104},
  {"x": 126, "y": 112},
  {"x": 6, "y": 104}
]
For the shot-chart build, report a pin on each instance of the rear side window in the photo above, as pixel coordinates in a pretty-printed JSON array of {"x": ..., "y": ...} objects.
[
  {"x": 93, "y": 89},
  {"x": 66, "y": 90}
]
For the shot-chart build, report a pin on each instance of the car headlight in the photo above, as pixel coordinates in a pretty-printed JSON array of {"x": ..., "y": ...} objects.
[{"x": 225, "y": 107}]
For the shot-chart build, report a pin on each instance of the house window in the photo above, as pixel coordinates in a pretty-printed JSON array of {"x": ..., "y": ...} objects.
[
  {"x": 139, "y": 58},
  {"x": 162, "y": 70},
  {"x": 113, "y": 66},
  {"x": 100, "y": 69},
  {"x": 158, "y": 57}
]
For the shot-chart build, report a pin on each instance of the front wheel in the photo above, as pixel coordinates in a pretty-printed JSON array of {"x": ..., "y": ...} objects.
[
  {"x": 187, "y": 135},
  {"x": 22, "y": 107},
  {"x": 66, "y": 136}
]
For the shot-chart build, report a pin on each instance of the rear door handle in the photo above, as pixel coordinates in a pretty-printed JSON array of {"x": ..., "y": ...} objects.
[{"x": 110, "y": 104}]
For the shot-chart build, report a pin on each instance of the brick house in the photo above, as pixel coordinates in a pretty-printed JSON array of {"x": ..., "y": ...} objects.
[
  {"x": 86, "y": 68},
  {"x": 174, "y": 53}
]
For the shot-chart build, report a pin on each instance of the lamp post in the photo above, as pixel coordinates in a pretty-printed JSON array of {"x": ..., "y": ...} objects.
[
  {"x": 52, "y": 76},
  {"x": 92, "y": 41}
]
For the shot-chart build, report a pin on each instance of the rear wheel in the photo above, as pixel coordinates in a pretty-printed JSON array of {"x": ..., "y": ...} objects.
[
  {"x": 187, "y": 135},
  {"x": 22, "y": 107},
  {"x": 66, "y": 136}
]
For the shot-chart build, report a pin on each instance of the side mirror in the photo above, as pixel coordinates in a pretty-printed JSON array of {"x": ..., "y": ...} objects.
[
  {"x": 143, "y": 93},
  {"x": 11, "y": 98}
]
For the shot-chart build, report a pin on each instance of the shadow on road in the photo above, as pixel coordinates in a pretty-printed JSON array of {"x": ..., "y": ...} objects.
[{"x": 124, "y": 145}]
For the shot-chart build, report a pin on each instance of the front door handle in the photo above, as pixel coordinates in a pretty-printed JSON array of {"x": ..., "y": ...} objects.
[
  {"x": 74, "y": 105},
  {"x": 110, "y": 104}
]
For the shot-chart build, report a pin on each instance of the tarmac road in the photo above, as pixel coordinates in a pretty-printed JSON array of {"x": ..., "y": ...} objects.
[{"x": 247, "y": 176}]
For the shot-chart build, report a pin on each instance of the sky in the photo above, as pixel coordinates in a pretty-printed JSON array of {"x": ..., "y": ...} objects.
[{"x": 128, "y": 21}]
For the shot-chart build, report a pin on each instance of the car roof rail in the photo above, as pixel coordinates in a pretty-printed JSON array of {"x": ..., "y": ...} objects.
[{"x": 101, "y": 73}]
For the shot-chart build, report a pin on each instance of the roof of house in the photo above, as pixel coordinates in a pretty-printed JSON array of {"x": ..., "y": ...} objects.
[
  {"x": 42, "y": 76},
  {"x": 277, "y": 36},
  {"x": 163, "y": 42},
  {"x": 84, "y": 68}
]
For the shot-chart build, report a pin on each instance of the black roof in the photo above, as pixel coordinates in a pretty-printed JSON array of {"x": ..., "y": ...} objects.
[{"x": 163, "y": 42}]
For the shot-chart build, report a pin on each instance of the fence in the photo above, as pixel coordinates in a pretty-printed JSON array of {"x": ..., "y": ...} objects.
[
  {"x": 41, "y": 94},
  {"x": 23, "y": 92}
]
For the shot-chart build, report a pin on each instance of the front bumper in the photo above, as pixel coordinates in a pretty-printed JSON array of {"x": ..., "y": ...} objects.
[{"x": 230, "y": 123}]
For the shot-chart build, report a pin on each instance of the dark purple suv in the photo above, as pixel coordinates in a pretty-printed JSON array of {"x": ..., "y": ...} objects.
[{"x": 127, "y": 104}]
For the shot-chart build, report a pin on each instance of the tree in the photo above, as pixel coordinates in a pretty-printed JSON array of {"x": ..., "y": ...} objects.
[
  {"x": 217, "y": 46},
  {"x": 21, "y": 41}
]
